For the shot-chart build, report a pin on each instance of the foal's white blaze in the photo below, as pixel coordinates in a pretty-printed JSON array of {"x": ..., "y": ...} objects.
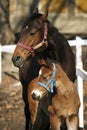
[{"x": 37, "y": 93}]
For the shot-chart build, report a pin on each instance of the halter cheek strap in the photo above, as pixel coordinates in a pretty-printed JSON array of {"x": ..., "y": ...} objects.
[
  {"x": 51, "y": 81},
  {"x": 45, "y": 34},
  {"x": 44, "y": 41}
]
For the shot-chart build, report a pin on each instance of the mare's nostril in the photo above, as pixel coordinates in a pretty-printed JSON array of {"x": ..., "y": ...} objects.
[
  {"x": 15, "y": 59},
  {"x": 18, "y": 61}
]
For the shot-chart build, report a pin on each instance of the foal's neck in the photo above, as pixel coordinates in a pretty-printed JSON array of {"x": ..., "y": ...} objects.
[{"x": 64, "y": 85}]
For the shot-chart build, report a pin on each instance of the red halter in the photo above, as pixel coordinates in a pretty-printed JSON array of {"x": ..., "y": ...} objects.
[{"x": 44, "y": 41}]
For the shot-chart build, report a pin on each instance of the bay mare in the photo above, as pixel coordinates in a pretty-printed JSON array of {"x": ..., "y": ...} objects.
[{"x": 40, "y": 39}]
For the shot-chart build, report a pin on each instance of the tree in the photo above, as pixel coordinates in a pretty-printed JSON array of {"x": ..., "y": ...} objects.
[{"x": 6, "y": 33}]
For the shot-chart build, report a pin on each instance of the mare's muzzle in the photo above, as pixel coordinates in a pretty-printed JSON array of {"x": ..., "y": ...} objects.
[{"x": 18, "y": 61}]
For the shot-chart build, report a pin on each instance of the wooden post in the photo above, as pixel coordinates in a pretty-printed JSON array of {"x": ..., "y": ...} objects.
[
  {"x": 79, "y": 79},
  {"x": 0, "y": 65}
]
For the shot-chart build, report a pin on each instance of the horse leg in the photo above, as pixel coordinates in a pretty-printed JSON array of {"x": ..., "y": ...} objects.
[
  {"x": 26, "y": 107},
  {"x": 55, "y": 122},
  {"x": 41, "y": 122},
  {"x": 72, "y": 122},
  {"x": 27, "y": 117}
]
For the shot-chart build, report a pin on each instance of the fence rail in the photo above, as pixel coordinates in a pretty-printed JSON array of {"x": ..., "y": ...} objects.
[
  {"x": 81, "y": 74},
  {"x": 7, "y": 48}
]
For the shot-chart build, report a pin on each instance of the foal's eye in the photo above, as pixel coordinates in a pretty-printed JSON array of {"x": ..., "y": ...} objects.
[
  {"x": 44, "y": 78},
  {"x": 32, "y": 33}
]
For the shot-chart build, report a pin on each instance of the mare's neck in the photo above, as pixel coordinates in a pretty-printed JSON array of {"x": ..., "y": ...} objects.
[{"x": 29, "y": 71}]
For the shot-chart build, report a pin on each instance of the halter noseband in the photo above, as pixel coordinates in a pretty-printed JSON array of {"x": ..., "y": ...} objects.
[
  {"x": 44, "y": 41},
  {"x": 51, "y": 81}
]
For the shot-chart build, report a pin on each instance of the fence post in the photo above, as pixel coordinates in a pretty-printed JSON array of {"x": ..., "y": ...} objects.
[
  {"x": 79, "y": 79},
  {"x": 0, "y": 65}
]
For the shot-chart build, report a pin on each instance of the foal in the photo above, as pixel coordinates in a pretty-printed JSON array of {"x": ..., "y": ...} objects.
[{"x": 65, "y": 103}]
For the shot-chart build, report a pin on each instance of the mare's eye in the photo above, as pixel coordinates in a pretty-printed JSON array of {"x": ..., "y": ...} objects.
[{"x": 26, "y": 27}]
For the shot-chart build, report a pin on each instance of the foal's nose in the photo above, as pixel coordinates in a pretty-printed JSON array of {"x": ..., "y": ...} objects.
[{"x": 35, "y": 97}]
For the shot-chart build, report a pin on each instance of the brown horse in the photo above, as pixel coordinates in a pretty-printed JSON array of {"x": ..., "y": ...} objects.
[
  {"x": 65, "y": 103},
  {"x": 40, "y": 39}
]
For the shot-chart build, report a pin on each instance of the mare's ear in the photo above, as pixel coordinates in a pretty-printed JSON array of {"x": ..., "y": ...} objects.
[
  {"x": 35, "y": 11},
  {"x": 43, "y": 62},
  {"x": 44, "y": 16}
]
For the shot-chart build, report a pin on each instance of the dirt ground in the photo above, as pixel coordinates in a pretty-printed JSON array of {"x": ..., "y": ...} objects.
[{"x": 11, "y": 103}]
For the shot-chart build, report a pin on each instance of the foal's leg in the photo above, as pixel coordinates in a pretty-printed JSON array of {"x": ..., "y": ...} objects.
[
  {"x": 72, "y": 122},
  {"x": 55, "y": 122}
]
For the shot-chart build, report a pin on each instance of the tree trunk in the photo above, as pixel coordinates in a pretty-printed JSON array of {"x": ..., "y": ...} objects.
[{"x": 6, "y": 33}]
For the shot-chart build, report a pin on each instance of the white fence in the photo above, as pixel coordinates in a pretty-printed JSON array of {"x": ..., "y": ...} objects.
[{"x": 81, "y": 74}]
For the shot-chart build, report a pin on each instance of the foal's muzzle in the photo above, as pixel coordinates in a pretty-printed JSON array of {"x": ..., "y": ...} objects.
[
  {"x": 35, "y": 97},
  {"x": 18, "y": 61}
]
